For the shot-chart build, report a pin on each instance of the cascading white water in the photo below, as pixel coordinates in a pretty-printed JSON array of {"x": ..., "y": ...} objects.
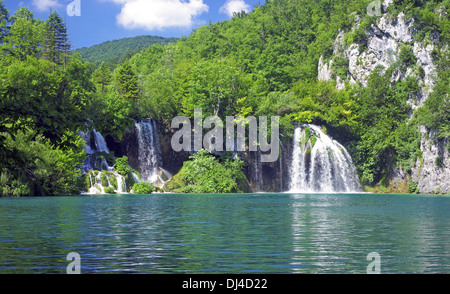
[
  {"x": 86, "y": 136},
  {"x": 99, "y": 163},
  {"x": 100, "y": 143},
  {"x": 149, "y": 155},
  {"x": 149, "y": 150},
  {"x": 97, "y": 186},
  {"x": 121, "y": 184},
  {"x": 92, "y": 161},
  {"x": 320, "y": 164}
]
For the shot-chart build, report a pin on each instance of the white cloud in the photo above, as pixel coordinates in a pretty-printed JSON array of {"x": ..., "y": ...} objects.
[
  {"x": 45, "y": 5},
  {"x": 159, "y": 14},
  {"x": 232, "y": 6}
]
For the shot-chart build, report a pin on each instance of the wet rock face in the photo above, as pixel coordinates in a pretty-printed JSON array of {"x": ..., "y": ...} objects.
[
  {"x": 115, "y": 147},
  {"x": 171, "y": 161},
  {"x": 131, "y": 146}
]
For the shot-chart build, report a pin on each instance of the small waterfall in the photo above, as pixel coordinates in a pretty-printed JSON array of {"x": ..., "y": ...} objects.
[
  {"x": 149, "y": 150},
  {"x": 86, "y": 136},
  {"x": 100, "y": 143},
  {"x": 281, "y": 166},
  {"x": 102, "y": 176},
  {"x": 320, "y": 164},
  {"x": 97, "y": 166},
  {"x": 93, "y": 161},
  {"x": 135, "y": 177},
  {"x": 121, "y": 184}
]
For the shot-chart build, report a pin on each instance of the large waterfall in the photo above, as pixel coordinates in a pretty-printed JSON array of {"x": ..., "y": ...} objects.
[
  {"x": 149, "y": 152},
  {"x": 320, "y": 164}
]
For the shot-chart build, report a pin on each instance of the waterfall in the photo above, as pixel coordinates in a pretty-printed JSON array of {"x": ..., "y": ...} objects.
[
  {"x": 149, "y": 158},
  {"x": 93, "y": 161},
  {"x": 281, "y": 166},
  {"x": 320, "y": 164},
  {"x": 121, "y": 184},
  {"x": 149, "y": 150},
  {"x": 100, "y": 143},
  {"x": 86, "y": 136}
]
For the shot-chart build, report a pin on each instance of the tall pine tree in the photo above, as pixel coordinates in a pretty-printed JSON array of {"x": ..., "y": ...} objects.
[
  {"x": 57, "y": 45},
  {"x": 4, "y": 22},
  {"x": 102, "y": 77},
  {"x": 128, "y": 82}
]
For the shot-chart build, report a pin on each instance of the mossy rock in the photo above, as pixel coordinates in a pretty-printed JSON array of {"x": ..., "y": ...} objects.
[
  {"x": 313, "y": 140},
  {"x": 104, "y": 179}
]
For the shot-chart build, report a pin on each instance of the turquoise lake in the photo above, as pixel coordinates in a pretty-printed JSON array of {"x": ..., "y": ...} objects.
[{"x": 230, "y": 233}]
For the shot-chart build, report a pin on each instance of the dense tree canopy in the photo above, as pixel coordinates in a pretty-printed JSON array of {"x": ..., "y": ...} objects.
[
  {"x": 114, "y": 52},
  {"x": 261, "y": 63}
]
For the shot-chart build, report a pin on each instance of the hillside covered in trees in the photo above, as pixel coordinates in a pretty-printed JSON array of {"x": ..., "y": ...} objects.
[
  {"x": 264, "y": 63},
  {"x": 116, "y": 50}
]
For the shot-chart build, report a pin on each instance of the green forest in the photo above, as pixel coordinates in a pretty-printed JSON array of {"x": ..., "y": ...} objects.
[
  {"x": 116, "y": 51},
  {"x": 264, "y": 63}
]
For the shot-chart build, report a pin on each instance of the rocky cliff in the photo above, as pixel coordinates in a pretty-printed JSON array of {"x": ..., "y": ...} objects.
[
  {"x": 432, "y": 171},
  {"x": 385, "y": 39}
]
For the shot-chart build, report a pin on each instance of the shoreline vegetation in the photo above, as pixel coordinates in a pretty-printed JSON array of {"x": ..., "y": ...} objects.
[{"x": 264, "y": 63}]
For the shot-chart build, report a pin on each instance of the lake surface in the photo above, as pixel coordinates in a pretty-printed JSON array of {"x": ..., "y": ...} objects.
[{"x": 235, "y": 233}]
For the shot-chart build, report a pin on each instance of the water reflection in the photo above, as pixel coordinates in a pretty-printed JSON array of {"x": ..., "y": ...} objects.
[
  {"x": 334, "y": 233},
  {"x": 252, "y": 233}
]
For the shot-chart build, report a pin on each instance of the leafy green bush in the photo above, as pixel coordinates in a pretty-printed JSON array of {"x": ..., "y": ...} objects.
[
  {"x": 413, "y": 187},
  {"x": 121, "y": 166},
  {"x": 43, "y": 169},
  {"x": 341, "y": 67},
  {"x": 205, "y": 174},
  {"x": 387, "y": 137},
  {"x": 143, "y": 188},
  {"x": 109, "y": 190},
  {"x": 439, "y": 162},
  {"x": 406, "y": 56},
  {"x": 104, "y": 178},
  {"x": 112, "y": 180},
  {"x": 85, "y": 182},
  {"x": 16, "y": 187},
  {"x": 358, "y": 36}
]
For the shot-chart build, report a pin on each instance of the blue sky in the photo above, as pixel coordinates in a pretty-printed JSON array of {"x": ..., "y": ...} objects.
[{"x": 104, "y": 20}]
